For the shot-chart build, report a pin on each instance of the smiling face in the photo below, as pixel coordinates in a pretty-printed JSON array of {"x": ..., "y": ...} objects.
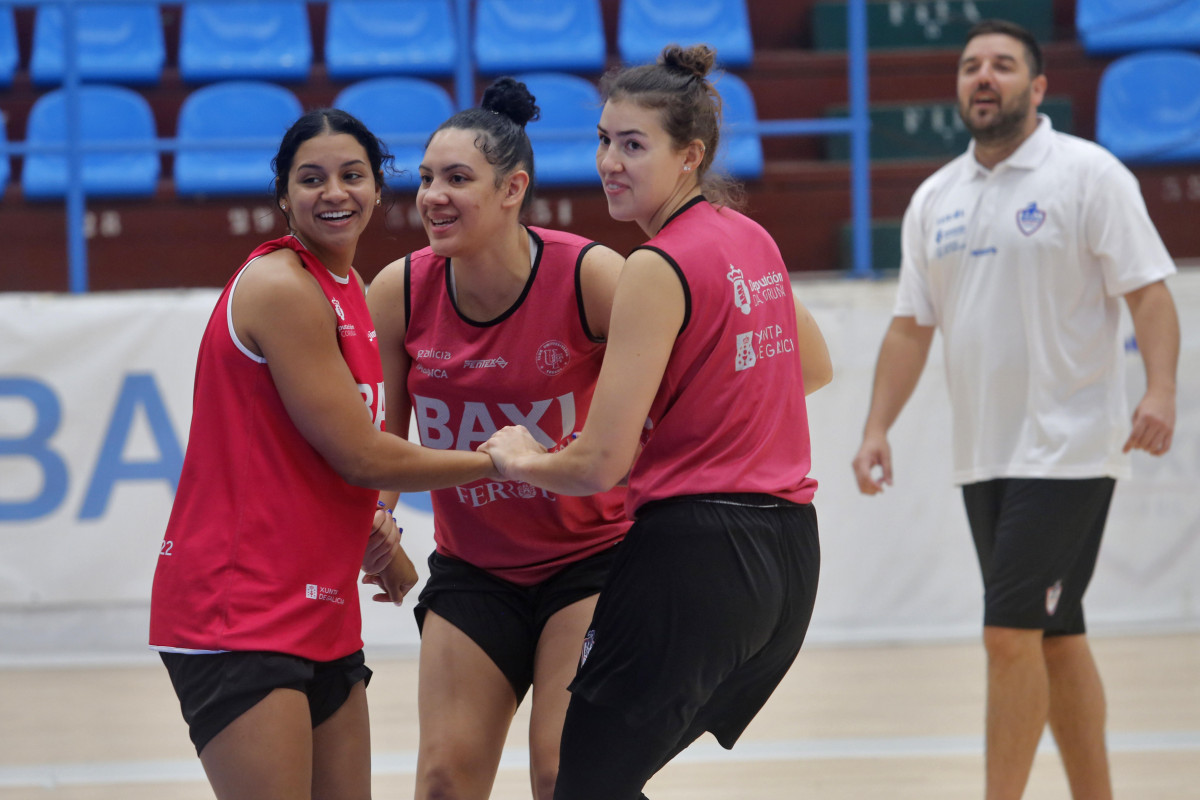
[
  {"x": 330, "y": 195},
  {"x": 641, "y": 169},
  {"x": 998, "y": 95},
  {"x": 460, "y": 204}
]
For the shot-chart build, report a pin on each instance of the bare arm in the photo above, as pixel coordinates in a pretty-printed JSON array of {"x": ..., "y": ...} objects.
[
  {"x": 902, "y": 357},
  {"x": 646, "y": 316},
  {"x": 598, "y": 277},
  {"x": 815, "y": 364},
  {"x": 1156, "y": 325},
  {"x": 281, "y": 313}
]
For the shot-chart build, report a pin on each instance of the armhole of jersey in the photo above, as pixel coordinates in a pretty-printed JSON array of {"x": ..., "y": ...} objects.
[
  {"x": 579, "y": 303},
  {"x": 407, "y": 294},
  {"x": 229, "y": 318},
  {"x": 687, "y": 292}
]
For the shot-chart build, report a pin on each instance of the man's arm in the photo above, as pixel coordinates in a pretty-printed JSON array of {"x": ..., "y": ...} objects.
[
  {"x": 901, "y": 359},
  {"x": 1156, "y": 325}
]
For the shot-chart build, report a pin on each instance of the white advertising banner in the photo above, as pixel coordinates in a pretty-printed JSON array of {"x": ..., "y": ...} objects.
[{"x": 95, "y": 399}]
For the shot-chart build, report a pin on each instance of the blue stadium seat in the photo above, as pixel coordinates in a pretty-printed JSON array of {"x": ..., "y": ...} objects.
[
  {"x": 402, "y": 112},
  {"x": 1148, "y": 107},
  {"x": 644, "y": 27},
  {"x": 740, "y": 153},
  {"x": 1114, "y": 26},
  {"x": 107, "y": 114},
  {"x": 253, "y": 40},
  {"x": 525, "y": 35},
  {"x": 4, "y": 165},
  {"x": 567, "y": 102},
  {"x": 232, "y": 110},
  {"x": 115, "y": 44},
  {"x": 366, "y": 38},
  {"x": 9, "y": 54}
]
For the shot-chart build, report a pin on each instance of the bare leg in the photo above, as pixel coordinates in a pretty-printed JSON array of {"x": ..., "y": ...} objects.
[
  {"x": 1017, "y": 708},
  {"x": 266, "y": 753},
  {"x": 465, "y": 706},
  {"x": 1077, "y": 716},
  {"x": 342, "y": 751},
  {"x": 557, "y": 658}
]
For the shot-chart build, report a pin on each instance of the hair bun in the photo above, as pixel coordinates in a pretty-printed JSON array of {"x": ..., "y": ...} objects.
[
  {"x": 696, "y": 60},
  {"x": 510, "y": 98}
]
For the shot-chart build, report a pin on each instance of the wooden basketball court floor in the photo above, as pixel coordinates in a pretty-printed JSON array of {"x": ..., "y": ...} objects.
[{"x": 894, "y": 722}]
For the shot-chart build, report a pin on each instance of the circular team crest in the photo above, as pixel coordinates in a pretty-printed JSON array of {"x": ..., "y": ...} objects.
[{"x": 553, "y": 357}]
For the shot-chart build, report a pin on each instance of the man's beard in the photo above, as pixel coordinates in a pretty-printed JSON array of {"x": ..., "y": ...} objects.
[{"x": 1006, "y": 125}]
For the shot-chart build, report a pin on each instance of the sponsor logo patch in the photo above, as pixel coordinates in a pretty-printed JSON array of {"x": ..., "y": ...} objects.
[
  {"x": 589, "y": 642},
  {"x": 1052, "y": 596},
  {"x": 746, "y": 357},
  {"x": 1030, "y": 218},
  {"x": 553, "y": 357}
]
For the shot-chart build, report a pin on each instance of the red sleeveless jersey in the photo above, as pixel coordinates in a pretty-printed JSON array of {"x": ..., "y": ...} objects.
[
  {"x": 265, "y": 540},
  {"x": 535, "y": 365},
  {"x": 730, "y": 414}
]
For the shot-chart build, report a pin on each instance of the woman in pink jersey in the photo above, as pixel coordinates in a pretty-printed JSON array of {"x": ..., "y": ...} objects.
[
  {"x": 701, "y": 403},
  {"x": 497, "y": 322},
  {"x": 255, "y": 603}
]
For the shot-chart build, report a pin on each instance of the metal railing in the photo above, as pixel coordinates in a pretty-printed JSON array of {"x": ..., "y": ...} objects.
[{"x": 856, "y": 125}]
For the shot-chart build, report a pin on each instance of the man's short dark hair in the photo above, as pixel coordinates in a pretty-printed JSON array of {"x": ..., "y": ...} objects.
[{"x": 1033, "y": 51}]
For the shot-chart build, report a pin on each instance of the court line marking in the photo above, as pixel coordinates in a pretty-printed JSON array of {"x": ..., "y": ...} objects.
[{"x": 49, "y": 776}]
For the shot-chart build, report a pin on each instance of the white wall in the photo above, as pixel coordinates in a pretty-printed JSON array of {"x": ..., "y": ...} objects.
[{"x": 95, "y": 397}]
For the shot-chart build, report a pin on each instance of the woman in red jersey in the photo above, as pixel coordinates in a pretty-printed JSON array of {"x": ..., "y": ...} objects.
[
  {"x": 701, "y": 402},
  {"x": 255, "y": 604},
  {"x": 494, "y": 323}
]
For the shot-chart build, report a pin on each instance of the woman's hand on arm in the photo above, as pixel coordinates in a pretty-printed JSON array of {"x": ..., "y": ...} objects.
[
  {"x": 647, "y": 314},
  {"x": 280, "y": 310},
  {"x": 396, "y": 579}
]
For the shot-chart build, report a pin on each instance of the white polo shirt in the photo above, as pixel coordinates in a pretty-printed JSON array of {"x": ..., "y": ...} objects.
[{"x": 1022, "y": 267}]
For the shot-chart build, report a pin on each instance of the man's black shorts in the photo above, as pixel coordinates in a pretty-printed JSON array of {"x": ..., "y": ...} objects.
[
  {"x": 214, "y": 689},
  {"x": 1037, "y": 540},
  {"x": 503, "y": 618}
]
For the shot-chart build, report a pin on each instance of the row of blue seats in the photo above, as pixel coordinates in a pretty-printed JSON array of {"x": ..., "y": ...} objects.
[
  {"x": 363, "y": 38},
  {"x": 1122, "y": 26},
  {"x": 402, "y": 111}
]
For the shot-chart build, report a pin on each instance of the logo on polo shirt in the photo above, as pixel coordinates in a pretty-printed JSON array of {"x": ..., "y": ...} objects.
[{"x": 1030, "y": 218}]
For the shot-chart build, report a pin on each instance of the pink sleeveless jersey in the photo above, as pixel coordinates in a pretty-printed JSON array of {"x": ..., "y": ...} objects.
[
  {"x": 265, "y": 539},
  {"x": 730, "y": 414},
  {"x": 535, "y": 365}
]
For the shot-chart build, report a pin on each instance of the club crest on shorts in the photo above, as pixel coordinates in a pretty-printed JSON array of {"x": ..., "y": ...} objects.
[
  {"x": 1030, "y": 218},
  {"x": 1052, "y": 595},
  {"x": 588, "y": 642}
]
